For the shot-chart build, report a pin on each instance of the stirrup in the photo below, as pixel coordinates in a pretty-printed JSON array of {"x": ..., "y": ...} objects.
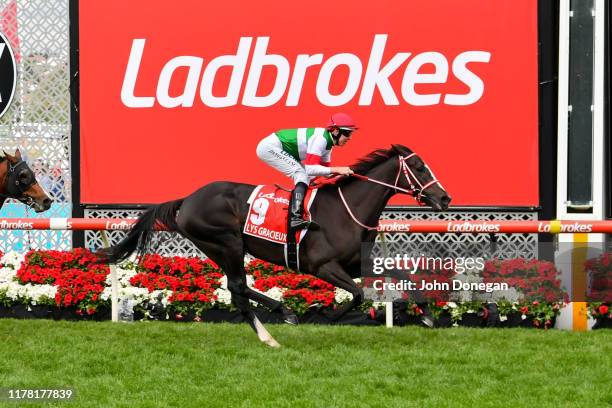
[
  {"x": 297, "y": 224},
  {"x": 313, "y": 226}
]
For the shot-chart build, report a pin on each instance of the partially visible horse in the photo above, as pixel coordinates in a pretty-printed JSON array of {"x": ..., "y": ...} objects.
[
  {"x": 213, "y": 218},
  {"x": 18, "y": 181}
]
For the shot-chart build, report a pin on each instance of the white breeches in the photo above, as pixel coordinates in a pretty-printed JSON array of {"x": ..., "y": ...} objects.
[{"x": 270, "y": 151}]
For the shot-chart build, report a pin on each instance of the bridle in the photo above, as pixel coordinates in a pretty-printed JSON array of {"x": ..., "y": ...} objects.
[
  {"x": 417, "y": 193},
  {"x": 416, "y": 188}
]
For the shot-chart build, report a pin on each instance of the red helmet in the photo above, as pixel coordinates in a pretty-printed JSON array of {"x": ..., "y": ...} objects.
[{"x": 342, "y": 121}]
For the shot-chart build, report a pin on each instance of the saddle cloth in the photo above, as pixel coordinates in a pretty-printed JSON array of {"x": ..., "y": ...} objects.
[{"x": 268, "y": 210}]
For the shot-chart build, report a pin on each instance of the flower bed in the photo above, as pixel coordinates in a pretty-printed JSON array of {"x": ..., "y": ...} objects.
[
  {"x": 535, "y": 280},
  {"x": 181, "y": 288}
]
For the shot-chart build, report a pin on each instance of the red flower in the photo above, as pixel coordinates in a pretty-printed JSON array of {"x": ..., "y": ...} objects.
[{"x": 603, "y": 310}]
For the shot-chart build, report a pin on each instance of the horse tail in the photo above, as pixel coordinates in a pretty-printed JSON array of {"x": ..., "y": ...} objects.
[{"x": 139, "y": 237}]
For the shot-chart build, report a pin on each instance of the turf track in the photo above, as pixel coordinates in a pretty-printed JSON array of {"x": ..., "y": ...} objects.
[{"x": 200, "y": 365}]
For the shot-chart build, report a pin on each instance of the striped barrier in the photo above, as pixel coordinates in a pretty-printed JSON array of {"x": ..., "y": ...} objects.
[
  {"x": 579, "y": 228},
  {"x": 391, "y": 226}
]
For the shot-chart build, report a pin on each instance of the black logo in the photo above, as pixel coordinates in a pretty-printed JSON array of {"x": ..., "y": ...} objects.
[{"x": 8, "y": 74}]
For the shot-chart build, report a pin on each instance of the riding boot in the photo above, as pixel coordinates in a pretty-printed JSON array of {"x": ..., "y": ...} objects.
[{"x": 296, "y": 212}]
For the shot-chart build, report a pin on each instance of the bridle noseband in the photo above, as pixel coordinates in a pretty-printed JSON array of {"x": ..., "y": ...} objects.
[{"x": 417, "y": 193}]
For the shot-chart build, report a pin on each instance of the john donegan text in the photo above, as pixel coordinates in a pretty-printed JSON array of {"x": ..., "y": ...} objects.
[{"x": 454, "y": 284}]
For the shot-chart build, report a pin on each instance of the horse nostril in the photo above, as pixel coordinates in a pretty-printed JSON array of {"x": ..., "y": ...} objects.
[
  {"x": 47, "y": 202},
  {"x": 446, "y": 200}
]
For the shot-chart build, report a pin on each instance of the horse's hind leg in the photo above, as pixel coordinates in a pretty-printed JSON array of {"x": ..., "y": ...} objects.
[
  {"x": 231, "y": 259},
  {"x": 274, "y": 305},
  {"x": 242, "y": 303},
  {"x": 333, "y": 273}
]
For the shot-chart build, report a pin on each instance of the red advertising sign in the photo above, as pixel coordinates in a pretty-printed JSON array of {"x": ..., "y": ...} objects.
[{"x": 174, "y": 96}]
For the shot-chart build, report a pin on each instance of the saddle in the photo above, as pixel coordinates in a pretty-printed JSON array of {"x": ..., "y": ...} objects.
[{"x": 268, "y": 215}]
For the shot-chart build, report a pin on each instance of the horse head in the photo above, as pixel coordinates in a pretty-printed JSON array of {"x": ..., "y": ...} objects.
[
  {"x": 414, "y": 175},
  {"x": 18, "y": 181},
  {"x": 403, "y": 171}
]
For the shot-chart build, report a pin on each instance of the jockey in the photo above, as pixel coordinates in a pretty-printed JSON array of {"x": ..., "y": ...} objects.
[{"x": 303, "y": 154}]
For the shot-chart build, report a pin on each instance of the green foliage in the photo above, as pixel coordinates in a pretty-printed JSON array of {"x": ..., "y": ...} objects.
[
  {"x": 4, "y": 299},
  {"x": 157, "y": 364}
]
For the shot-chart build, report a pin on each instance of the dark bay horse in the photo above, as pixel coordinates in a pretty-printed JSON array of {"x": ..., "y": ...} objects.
[
  {"x": 18, "y": 181},
  {"x": 213, "y": 218}
]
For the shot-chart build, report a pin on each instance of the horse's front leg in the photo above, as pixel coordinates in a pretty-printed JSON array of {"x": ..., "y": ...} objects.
[{"x": 335, "y": 274}]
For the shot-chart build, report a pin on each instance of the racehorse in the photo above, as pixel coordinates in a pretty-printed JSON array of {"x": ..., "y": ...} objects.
[
  {"x": 18, "y": 181},
  {"x": 213, "y": 218}
]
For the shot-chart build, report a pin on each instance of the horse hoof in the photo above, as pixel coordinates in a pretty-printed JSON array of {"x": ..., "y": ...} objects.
[
  {"x": 428, "y": 321},
  {"x": 291, "y": 319},
  {"x": 272, "y": 343}
]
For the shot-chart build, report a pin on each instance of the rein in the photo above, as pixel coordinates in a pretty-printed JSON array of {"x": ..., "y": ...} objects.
[{"x": 417, "y": 193}]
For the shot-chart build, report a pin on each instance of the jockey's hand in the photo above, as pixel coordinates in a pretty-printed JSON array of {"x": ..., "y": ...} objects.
[{"x": 343, "y": 171}]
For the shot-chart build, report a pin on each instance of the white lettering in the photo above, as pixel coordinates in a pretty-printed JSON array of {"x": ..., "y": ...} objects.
[
  {"x": 261, "y": 59},
  {"x": 302, "y": 62},
  {"x": 129, "y": 80},
  {"x": 194, "y": 66},
  {"x": 238, "y": 64},
  {"x": 375, "y": 77},
  {"x": 468, "y": 77},
  {"x": 469, "y": 227},
  {"x": 18, "y": 225},
  {"x": 413, "y": 77},
  {"x": 352, "y": 85}
]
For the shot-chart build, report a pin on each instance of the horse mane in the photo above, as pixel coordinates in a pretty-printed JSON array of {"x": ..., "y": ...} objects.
[
  {"x": 373, "y": 159},
  {"x": 378, "y": 156}
]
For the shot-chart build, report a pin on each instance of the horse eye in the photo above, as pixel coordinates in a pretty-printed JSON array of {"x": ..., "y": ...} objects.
[{"x": 24, "y": 176}]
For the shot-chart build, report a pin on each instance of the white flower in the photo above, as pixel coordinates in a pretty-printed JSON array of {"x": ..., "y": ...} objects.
[
  {"x": 275, "y": 293},
  {"x": 503, "y": 318},
  {"x": 37, "y": 293},
  {"x": 224, "y": 296},
  {"x": 7, "y": 275},
  {"x": 17, "y": 292},
  {"x": 223, "y": 282},
  {"x": 123, "y": 276},
  {"x": 153, "y": 296},
  {"x": 106, "y": 293},
  {"x": 342, "y": 295},
  {"x": 523, "y": 316},
  {"x": 133, "y": 293},
  {"x": 13, "y": 258}
]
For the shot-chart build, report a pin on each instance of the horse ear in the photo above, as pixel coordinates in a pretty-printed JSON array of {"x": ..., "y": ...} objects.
[
  {"x": 401, "y": 149},
  {"x": 18, "y": 154},
  {"x": 398, "y": 148},
  {"x": 10, "y": 158}
]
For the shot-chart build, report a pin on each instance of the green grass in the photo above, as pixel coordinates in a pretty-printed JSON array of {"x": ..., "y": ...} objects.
[{"x": 200, "y": 365}]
